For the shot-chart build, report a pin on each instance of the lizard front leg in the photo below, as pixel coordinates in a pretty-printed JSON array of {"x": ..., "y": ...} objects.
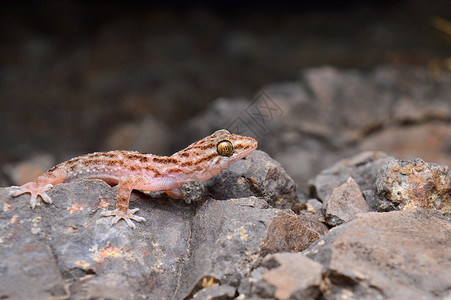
[
  {"x": 124, "y": 189},
  {"x": 39, "y": 187}
]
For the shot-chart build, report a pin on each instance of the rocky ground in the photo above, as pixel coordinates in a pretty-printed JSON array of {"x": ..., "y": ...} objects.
[
  {"x": 330, "y": 218},
  {"x": 347, "y": 197},
  {"x": 370, "y": 225},
  {"x": 379, "y": 228}
]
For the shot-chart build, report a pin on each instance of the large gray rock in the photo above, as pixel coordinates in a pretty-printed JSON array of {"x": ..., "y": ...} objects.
[
  {"x": 67, "y": 248},
  {"x": 394, "y": 255},
  {"x": 256, "y": 175}
]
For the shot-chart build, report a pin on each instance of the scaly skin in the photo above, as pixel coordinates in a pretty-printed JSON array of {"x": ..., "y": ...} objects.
[{"x": 133, "y": 170}]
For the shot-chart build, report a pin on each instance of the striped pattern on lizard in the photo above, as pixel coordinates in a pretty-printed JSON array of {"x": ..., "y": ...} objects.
[{"x": 133, "y": 170}]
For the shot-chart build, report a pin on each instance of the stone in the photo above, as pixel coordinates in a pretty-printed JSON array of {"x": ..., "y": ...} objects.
[
  {"x": 147, "y": 135},
  {"x": 428, "y": 140},
  {"x": 230, "y": 237},
  {"x": 362, "y": 168},
  {"x": 393, "y": 255},
  {"x": 167, "y": 256},
  {"x": 28, "y": 267},
  {"x": 292, "y": 233},
  {"x": 216, "y": 292},
  {"x": 293, "y": 275},
  {"x": 315, "y": 207},
  {"x": 344, "y": 203},
  {"x": 256, "y": 175},
  {"x": 407, "y": 184}
]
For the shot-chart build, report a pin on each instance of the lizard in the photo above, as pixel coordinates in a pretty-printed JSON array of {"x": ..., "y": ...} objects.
[{"x": 131, "y": 170}]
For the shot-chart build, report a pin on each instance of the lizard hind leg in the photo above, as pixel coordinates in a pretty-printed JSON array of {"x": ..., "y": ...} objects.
[{"x": 124, "y": 189}]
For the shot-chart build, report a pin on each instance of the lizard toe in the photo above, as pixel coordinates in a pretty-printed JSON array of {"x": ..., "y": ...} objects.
[
  {"x": 127, "y": 216},
  {"x": 16, "y": 191},
  {"x": 46, "y": 198}
]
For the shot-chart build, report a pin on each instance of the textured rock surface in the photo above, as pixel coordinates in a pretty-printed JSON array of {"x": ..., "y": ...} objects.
[
  {"x": 344, "y": 203},
  {"x": 256, "y": 175},
  {"x": 177, "y": 252},
  {"x": 292, "y": 233},
  {"x": 394, "y": 255},
  {"x": 293, "y": 275},
  {"x": 362, "y": 168},
  {"x": 216, "y": 292},
  {"x": 407, "y": 184}
]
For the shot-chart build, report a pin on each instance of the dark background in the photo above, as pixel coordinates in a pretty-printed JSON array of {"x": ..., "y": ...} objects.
[{"x": 72, "y": 72}]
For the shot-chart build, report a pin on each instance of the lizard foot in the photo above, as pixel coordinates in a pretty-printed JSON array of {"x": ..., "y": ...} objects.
[
  {"x": 34, "y": 190},
  {"x": 126, "y": 216}
]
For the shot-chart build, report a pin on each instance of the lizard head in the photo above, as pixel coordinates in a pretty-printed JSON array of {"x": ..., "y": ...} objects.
[{"x": 208, "y": 156}]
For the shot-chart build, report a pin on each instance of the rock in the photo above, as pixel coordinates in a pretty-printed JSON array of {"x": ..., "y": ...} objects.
[
  {"x": 361, "y": 167},
  {"x": 407, "y": 184},
  {"x": 315, "y": 207},
  {"x": 28, "y": 268},
  {"x": 167, "y": 256},
  {"x": 430, "y": 141},
  {"x": 102, "y": 286},
  {"x": 147, "y": 136},
  {"x": 230, "y": 236},
  {"x": 394, "y": 255},
  {"x": 310, "y": 123},
  {"x": 293, "y": 276},
  {"x": 217, "y": 292},
  {"x": 303, "y": 164},
  {"x": 344, "y": 203},
  {"x": 256, "y": 175},
  {"x": 292, "y": 233}
]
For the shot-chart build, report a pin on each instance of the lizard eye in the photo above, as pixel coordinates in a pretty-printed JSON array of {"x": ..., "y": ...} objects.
[{"x": 225, "y": 148}]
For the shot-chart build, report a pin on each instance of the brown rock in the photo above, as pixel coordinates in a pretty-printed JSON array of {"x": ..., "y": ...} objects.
[
  {"x": 345, "y": 202},
  {"x": 295, "y": 277},
  {"x": 407, "y": 184},
  {"x": 394, "y": 255},
  {"x": 292, "y": 233}
]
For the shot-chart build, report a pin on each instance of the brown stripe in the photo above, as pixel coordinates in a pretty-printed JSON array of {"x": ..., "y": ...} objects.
[
  {"x": 241, "y": 146},
  {"x": 209, "y": 157},
  {"x": 155, "y": 171},
  {"x": 174, "y": 170},
  {"x": 186, "y": 163},
  {"x": 165, "y": 160},
  {"x": 138, "y": 156},
  {"x": 112, "y": 162}
]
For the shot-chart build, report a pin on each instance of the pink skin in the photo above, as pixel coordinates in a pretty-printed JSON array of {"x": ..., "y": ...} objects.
[{"x": 132, "y": 170}]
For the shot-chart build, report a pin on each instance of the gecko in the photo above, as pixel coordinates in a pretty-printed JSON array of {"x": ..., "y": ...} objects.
[{"x": 131, "y": 170}]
